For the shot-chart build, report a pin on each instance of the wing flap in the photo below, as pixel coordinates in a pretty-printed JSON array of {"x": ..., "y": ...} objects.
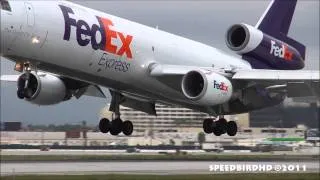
[
  {"x": 294, "y": 83},
  {"x": 276, "y": 75}
]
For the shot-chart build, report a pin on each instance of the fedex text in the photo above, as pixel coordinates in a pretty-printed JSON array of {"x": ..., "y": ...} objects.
[
  {"x": 280, "y": 51},
  {"x": 221, "y": 86},
  {"x": 86, "y": 34}
]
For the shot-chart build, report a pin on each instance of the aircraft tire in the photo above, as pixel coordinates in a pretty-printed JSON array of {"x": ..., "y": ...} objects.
[
  {"x": 217, "y": 131},
  {"x": 104, "y": 125},
  {"x": 222, "y": 125},
  {"x": 207, "y": 126},
  {"x": 127, "y": 128},
  {"x": 232, "y": 128},
  {"x": 116, "y": 127}
]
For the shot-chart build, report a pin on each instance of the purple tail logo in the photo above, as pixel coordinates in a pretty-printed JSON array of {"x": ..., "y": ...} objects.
[{"x": 280, "y": 51}]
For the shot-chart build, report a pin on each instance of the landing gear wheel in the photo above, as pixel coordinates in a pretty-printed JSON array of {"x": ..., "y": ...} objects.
[
  {"x": 222, "y": 125},
  {"x": 116, "y": 126},
  {"x": 20, "y": 93},
  {"x": 232, "y": 128},
  {"x": 104, "y": 125},
  {"x": 127, "y": 128},
  {"x": 207, "y": 126},
  {"x": 217, "y": 131}
]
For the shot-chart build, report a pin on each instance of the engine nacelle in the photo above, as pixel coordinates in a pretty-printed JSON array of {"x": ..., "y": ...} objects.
[
  {"x": 243, "y": 38},
  {"x": 263, "y": 48},
  {"x": 42, "y": 89},
  {"x": 206, "y": 89}
]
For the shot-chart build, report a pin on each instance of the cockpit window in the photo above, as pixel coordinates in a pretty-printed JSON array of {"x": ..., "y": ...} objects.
[{"x": 5, "y": 5}]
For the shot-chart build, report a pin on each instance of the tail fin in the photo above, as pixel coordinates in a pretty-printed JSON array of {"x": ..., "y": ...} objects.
[{"x": 276, "y": 21}]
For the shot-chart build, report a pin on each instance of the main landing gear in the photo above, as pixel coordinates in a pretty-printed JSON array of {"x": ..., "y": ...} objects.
[
  {"x": 116, "y": 125},
  {"x": 220, "y": 127}
]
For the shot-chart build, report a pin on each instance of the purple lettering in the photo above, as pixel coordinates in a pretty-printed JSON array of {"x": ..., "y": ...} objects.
[
  {"x": 81, "y": 31},
  {"x": 68, "y": 22}
]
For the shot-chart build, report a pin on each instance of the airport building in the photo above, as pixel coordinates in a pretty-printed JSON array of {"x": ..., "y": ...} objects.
[{"x": 288, "y": 114}]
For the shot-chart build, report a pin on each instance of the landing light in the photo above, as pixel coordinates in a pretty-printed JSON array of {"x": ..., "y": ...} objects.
[
  {"x": 35, "y": 40},
  {"x": 18, "y": 67}
]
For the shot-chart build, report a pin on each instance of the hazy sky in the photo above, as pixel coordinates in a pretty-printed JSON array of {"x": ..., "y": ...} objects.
[{"x": 204, "y": 21}]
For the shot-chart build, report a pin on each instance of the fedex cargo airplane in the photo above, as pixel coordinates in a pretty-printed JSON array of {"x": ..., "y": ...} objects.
[{"x": 65, "y": 50}]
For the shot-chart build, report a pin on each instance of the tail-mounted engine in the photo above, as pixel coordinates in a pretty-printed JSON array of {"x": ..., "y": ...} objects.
[{"x": 263, "y": 51}]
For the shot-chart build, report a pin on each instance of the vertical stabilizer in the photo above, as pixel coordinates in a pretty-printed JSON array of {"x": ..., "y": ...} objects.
[{"x": 276, "y": 21}]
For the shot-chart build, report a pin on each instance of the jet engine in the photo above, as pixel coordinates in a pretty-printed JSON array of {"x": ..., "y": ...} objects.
[
  {"x": 206, "y": 88},
  {"x": 243, "y": 38},
  {"x": 257, "y": 47},
  {"x": 44, "y": 89}
]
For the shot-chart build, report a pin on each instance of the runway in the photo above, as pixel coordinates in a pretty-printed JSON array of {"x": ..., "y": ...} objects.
[
  {"x": 27, "y": 152},
  {"x": 150, "y": 167}
]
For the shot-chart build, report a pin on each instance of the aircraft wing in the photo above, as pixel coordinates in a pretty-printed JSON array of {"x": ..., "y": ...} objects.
[
  {"x": 277, "y": 75},
  {"x": 9, "y": 78},
  {"x": 294, "y": 83},
  {"x": 158, "y": 70}
]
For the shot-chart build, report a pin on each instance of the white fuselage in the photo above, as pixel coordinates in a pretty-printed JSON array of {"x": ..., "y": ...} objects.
[{"x": 37, "y": 31}]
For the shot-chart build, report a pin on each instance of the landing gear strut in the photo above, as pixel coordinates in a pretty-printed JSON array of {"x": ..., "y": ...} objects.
[
  {"x": 116, "y": 125},
  {"x": 220, "y": 127}
]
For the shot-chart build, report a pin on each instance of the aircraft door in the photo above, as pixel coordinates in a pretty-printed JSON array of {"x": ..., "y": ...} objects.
[
  {"x": 30, "y": 38},
  {"x": 30, "y": 14}
]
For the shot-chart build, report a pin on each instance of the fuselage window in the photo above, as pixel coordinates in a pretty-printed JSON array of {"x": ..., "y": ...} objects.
[{"x": 5, "y": 5}]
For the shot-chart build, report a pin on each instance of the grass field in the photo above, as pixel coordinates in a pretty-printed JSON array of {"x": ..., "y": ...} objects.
[
  {"x": 164, "y": 157},
  {"x": 296, "y": 176}
]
